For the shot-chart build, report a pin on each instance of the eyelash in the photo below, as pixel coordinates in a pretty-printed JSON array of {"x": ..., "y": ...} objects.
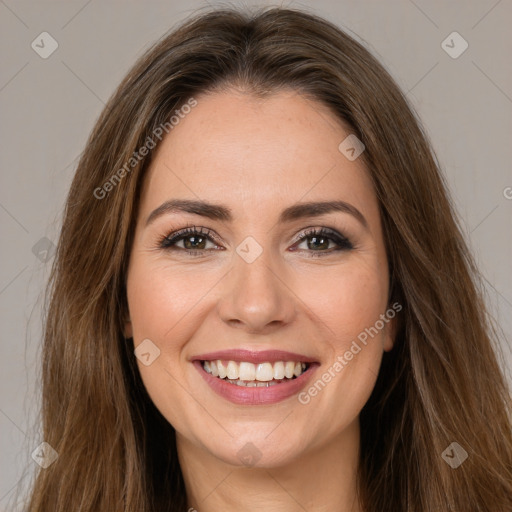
[{"x": 168, "y": 242}]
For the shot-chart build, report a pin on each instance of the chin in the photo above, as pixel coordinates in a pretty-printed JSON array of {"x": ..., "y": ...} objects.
[{"x": 257, "y": 452}]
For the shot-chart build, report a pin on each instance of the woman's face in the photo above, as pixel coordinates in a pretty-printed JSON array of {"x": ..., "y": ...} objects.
[{"x": 251, "y": 287}]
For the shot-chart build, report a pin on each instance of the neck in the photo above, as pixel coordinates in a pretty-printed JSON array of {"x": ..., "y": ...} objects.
[{"x": 323, "y": 479}]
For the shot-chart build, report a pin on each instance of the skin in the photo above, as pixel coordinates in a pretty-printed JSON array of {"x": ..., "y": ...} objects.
[{"x": 259, "y": 156}]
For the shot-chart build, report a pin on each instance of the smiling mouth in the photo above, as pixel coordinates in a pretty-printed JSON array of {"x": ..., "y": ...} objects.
[{"x": 254, "y": 375}]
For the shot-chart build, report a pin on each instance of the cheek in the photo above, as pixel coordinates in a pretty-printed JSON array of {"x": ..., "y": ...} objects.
[
  {"x": 347, "y": 300},
  {"x": 160, "y": 298},
  {"x": 161, "y": 303},
  {"x": 349, "y": 303}
]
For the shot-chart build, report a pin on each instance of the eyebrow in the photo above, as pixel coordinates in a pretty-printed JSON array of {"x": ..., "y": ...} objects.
[{"x": 224, "y": 213}]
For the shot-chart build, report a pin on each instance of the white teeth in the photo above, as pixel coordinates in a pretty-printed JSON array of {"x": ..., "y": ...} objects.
[
  {"x": 264, "y": 372},
  {"x": 232, "y": 370},
  {"x": 247, "y": 371},
  {"x": 251, "y": 375},
  {"x": 289, "y": 369},
  {"x": 222, "y": 369},
  {"x": 279, "y": 370}
]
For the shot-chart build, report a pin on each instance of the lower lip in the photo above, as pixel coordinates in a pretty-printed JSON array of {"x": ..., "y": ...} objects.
[{"x": 256, "y": 395}]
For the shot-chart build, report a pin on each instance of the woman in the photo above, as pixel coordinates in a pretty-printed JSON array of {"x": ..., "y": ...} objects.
[{"x": 261, "y": 298}]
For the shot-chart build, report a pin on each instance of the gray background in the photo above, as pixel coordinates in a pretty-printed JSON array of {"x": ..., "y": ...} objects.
[{"x": 49, "y": 106}]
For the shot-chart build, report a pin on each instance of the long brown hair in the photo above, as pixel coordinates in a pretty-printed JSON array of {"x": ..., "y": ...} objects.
[{"x": 440, "y": 384}]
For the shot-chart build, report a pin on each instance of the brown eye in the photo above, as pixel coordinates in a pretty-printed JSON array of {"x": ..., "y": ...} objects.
[
  {"x": 194, "y": 239},
  {"x": 320, "y": 241}
]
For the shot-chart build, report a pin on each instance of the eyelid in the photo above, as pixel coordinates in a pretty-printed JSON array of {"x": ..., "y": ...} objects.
[
  {"x": 189, "y": 231},
  {"x": 323, "y": 230}
]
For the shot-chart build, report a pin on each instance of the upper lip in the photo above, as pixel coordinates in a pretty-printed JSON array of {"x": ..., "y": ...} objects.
[{"x": 251, "y": 356}]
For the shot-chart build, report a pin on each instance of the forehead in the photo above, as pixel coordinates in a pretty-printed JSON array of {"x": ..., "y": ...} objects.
[{"x": 253, "y": 152}]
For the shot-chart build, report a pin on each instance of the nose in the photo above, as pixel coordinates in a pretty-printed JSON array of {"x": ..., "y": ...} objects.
[{"x": 256, "y": 297}]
